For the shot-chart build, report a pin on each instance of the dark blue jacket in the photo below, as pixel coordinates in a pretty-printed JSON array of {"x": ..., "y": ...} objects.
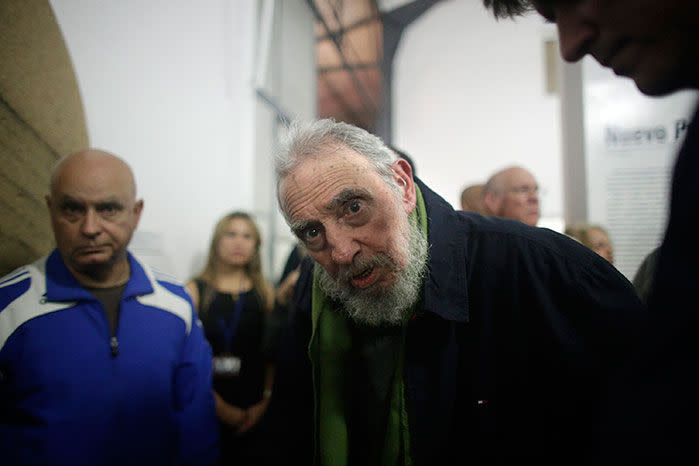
[{"x": 510, "y": 355}]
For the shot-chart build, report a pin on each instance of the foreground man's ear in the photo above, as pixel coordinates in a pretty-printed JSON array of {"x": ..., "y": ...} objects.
[{"x": 403, "y": 175}]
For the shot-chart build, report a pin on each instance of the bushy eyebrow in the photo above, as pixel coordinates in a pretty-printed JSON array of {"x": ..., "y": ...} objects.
[
  {"x": 346, "y": 195},
  {"x": 106, "y": 204},
  {"x": 298, "y": 227},
  {"x": 68, "y": 201}
]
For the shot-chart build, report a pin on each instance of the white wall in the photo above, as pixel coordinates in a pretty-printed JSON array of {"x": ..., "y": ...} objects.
[
  {"x": 166, "y": 85},
  {"x": 290, "y": 80},
  {"x": 469, "y": 99},
  {"x": 169, "y": 86}
]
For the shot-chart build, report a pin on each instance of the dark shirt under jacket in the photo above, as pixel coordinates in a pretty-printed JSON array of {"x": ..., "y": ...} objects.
[{"x": 510, "y": 354}]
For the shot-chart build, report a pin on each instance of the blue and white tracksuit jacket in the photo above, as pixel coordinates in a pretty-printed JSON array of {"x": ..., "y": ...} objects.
[{"x": 71, "y": 393}]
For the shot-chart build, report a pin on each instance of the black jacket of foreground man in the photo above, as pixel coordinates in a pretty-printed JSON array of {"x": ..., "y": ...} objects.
[{"x": 509, "y": 357}]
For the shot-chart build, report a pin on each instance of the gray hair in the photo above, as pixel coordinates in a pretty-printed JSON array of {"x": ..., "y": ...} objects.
[{"x": 310, "y": 138}]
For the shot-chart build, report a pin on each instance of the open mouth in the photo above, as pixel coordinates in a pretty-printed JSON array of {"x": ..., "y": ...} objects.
[{"x": 364, "y": 278}]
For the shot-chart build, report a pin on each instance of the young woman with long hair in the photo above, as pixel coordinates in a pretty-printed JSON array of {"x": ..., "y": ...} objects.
[{"x": 234, "y": 299}]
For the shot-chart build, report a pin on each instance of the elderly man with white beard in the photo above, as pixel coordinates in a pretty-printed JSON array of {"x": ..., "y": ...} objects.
[{"x": 431, "y": 336}]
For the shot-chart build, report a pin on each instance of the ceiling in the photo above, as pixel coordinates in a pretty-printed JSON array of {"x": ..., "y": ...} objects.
[{"x": 349, "y": 50}]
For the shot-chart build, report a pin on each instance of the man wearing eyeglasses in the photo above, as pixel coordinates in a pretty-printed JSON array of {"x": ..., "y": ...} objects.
[{"x": 513, "y": 193}]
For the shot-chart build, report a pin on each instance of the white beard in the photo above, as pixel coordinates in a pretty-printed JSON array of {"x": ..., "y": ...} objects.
[{"x": 376, "y": 305}]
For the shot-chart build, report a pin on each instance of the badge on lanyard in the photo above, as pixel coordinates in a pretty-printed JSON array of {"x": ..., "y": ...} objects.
[{"x": 226, "y": 364}]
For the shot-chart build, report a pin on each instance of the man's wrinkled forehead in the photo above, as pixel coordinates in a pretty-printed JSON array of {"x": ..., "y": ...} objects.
[
  {"x": 92, "y": 170},
  {"x": 337, "y": 160},
  {"x": 324, "y": 176}
]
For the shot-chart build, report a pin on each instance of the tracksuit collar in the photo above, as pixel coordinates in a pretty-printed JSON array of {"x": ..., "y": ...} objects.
[{"x": 62, "y": 286}]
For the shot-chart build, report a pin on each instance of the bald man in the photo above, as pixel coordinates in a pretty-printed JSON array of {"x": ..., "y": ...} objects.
[
  {"x": 472, "y": 199},
  {"x": 101, "y": 358},
  {"x": 512, "y": 193}
]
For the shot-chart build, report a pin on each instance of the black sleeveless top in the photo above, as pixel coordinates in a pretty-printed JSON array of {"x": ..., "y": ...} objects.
[{"x": 243, "y": 341}]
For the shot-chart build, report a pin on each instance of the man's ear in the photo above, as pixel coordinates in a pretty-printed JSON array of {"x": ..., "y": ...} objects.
[
  {"x": 403, "y": 175},
  {"x": 137, "y": 209}
]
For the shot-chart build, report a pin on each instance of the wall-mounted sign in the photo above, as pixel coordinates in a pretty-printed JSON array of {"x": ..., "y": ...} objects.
[{"x": 630, "y": 146}]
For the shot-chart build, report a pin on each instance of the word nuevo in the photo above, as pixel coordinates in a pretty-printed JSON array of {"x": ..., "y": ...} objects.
[{"x": 644, "y": 135}]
